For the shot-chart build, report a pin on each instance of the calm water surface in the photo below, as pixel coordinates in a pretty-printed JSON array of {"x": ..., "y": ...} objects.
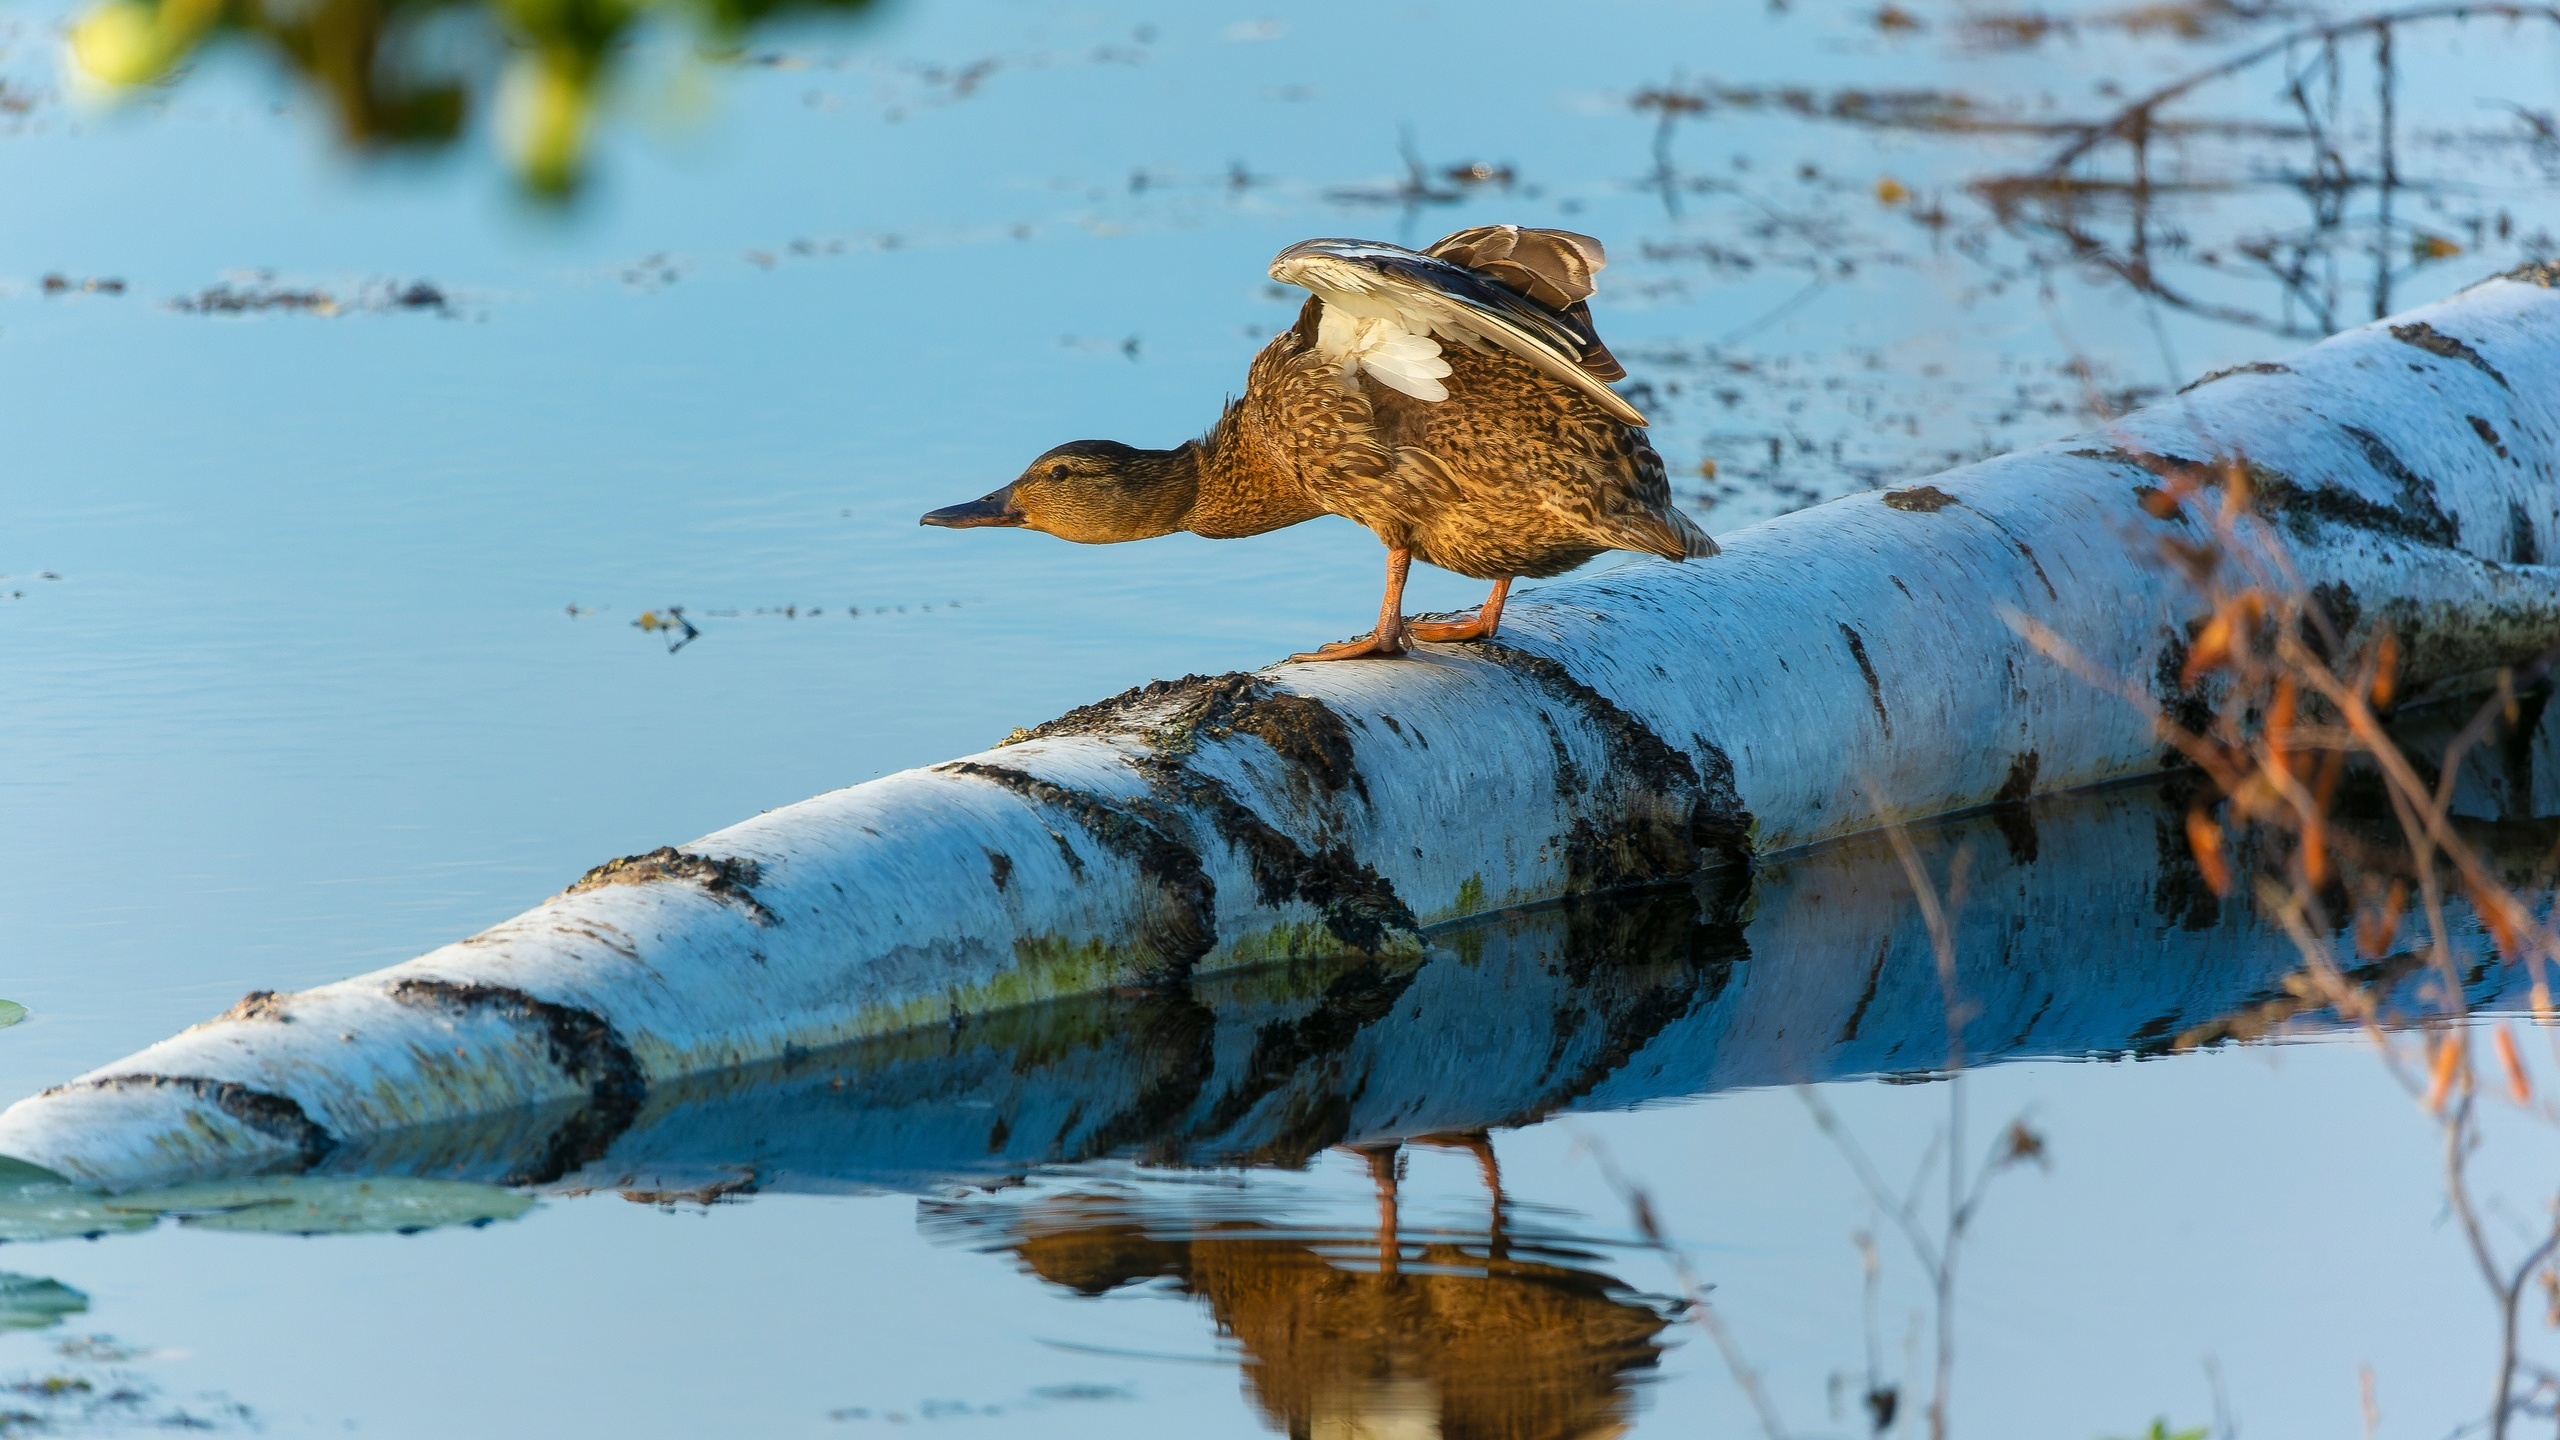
[{"x": 318, "y": 648}]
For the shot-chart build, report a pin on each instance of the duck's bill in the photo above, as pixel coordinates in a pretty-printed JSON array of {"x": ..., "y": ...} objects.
[{"x": 996, "y": 509}]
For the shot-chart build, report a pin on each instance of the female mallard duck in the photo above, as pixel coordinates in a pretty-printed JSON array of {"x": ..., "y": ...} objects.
[{"x": 1498, "y": 455}]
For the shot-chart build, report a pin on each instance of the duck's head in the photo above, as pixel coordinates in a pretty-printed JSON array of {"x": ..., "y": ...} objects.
[{"x": 1094, "y": 492}]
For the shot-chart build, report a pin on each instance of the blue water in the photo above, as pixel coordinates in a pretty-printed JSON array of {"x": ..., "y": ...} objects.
[{"x": 317, "y": 649}]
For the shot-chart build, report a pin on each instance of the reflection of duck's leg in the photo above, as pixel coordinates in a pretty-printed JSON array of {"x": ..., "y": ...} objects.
[
  {"x": 1389, "y": 638},
  {"x": 1480, "y": 1144},
  {"x": 1479, "y": 626},
  {"x": 1382, "y": 1173}
]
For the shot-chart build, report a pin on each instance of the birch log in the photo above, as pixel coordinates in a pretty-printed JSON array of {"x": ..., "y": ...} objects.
[
  {"x": 1636, "y": 727},
  {"x": 2086, "y": 929}
]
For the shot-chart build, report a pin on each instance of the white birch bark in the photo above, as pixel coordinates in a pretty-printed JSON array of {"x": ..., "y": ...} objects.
[{"x": 1637, "y": 726}]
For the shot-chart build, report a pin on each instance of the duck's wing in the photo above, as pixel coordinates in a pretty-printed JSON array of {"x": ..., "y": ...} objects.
[
  {"x": 1555, "y": 268},
  {"x": 1428, "y": 294}
]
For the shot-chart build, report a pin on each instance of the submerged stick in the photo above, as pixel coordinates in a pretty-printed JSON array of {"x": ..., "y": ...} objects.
[{"x": 1835, "y": 668}]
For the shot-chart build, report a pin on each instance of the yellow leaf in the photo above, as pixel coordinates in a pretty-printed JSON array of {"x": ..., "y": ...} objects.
[{"x": 1890, "y": 191}]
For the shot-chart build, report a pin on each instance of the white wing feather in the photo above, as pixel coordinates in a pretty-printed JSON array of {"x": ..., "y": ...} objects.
[
  {"x": 1372, "y": 320},
  {"x": 1381, "y": 345}
]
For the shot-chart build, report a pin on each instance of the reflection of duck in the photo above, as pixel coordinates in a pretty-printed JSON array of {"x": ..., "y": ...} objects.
[
  {"x": 1441, "y": 1336},
  {"x": 1500, "y": 454}
]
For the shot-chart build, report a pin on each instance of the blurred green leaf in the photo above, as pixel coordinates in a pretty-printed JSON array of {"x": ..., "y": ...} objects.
[
  {"x": 408, "y": 73},
  {"x": 11, "y": 1013}
]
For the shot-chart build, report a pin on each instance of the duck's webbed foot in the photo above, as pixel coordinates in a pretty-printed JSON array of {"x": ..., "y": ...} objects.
[
  {"x": 1390, "y": 638},
  {"x": 1478, "y": 626},
  {"x": 1469, "y": 627},
  {"x": 1384, "y": 643}
]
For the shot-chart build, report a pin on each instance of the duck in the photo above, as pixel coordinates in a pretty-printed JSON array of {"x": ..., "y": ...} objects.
[{"x": 1454, "y": 400}]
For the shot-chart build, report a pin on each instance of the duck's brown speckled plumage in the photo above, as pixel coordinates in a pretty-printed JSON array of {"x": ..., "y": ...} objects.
[
  {"x": 1513, "y": 474},
  {"x": 1259, "y": 466},
  {"x": 1524, "y": 466}
]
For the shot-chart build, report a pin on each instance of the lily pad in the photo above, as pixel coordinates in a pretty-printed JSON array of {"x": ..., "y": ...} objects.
[
  {"x": 30, "y": 1303},
  {"x": 324, "y": 1205},
  {"x": 11, "y": 1013}
]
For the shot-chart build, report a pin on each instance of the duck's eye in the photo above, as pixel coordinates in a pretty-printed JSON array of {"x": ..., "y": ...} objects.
[{"x": 1057, "y": 472}]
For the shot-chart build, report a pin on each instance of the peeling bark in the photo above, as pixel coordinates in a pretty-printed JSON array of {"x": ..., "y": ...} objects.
[{"x": 1644, "y": 725}]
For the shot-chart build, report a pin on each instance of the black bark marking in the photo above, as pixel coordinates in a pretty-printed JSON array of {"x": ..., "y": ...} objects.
[
  {"x": 2032, "y": 562},
  {"x": 1000, "y": 869},
  {"x": 1175, "y": 715},
  {"x": 278, "y": 1117},
  {"x": 1875, "y": 688},
  {"x": 2010, "y": 813},
  {"x": 1360, "y": 908},
  {"x": 1185, "y": 926},
  {"x": 2187, "y": 707},
  {"x": 2021, "y": 782},
  {"x": 2415, "y": 516},
  {"x": 2254, "y": 367},
  {"x": 1569, "y": 779},
  {"x": 2417, "y": 493},
  {"x": 1867, "y": 997},
  {"x": 2335, "y": 601},
  {"x": 732, "y": 881},
  {"x": 2488, "y": 434},
  {"x": 2523, "y": 546},
  {"x": 1919, "y": 500},
  {"x": 1669, "y": 809},
  {"x": 2435, "y": 342},
  {"x": 582, "y": 1044}
]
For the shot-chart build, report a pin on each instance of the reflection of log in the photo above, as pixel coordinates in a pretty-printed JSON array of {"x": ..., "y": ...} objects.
[{"x": 1641, "y": 726}]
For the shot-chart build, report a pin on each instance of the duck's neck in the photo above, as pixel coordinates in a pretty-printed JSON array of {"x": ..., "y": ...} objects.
[
  {"x": 1237, "y": 487},
  {"x": 1163, "y": 487}
]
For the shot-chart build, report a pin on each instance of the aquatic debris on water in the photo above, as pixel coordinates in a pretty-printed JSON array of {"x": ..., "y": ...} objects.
[
  {"x": 262, "y": 294},
  {"x": 37, "y": 1204},
  {"x": 58, "y": 283},
  {"x": 29, "y": 1302}
]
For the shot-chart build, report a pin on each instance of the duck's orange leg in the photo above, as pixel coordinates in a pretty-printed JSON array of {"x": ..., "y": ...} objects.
[
  {"x": 1479, "y": 626},
  {"x": 1389, "y": 638}
]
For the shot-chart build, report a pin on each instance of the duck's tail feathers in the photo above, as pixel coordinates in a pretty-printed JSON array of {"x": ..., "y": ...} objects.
[
  {"x": 1695, "y": 542},
  {"x": 1673, "y": 536}
]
